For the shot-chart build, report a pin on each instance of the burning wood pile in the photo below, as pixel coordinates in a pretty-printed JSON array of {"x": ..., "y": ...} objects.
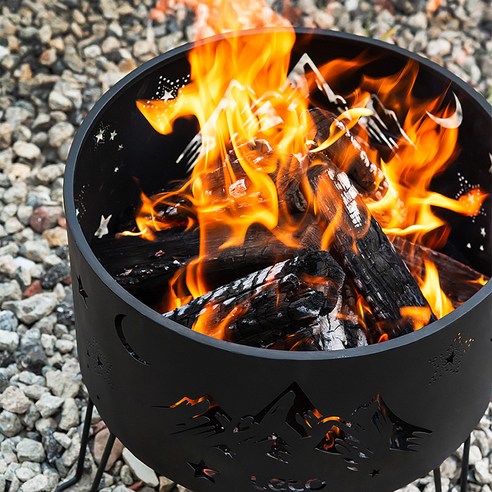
[{"x": 305, "y": 221}]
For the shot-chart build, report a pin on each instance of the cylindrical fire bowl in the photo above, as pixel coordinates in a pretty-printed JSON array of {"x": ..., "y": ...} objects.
[{"x": 214, "y": 415}]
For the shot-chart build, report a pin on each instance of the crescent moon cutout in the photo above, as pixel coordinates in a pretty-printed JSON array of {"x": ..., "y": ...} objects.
[
  {"x": 118, "y": 323},
  {"x": 453, "y": 121}
]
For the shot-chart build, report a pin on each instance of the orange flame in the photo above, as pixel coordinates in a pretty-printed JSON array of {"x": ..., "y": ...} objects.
[
  {"x": 189, "y": 401},
  {"x": 431, "y": 288},
  {"x": 243, "y": 101}
]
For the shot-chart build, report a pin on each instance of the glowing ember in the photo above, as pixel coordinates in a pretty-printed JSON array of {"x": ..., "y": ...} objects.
[{"x": 256, "y": 135}]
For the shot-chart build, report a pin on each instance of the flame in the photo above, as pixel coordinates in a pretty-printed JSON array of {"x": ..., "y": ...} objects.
[
  {"x": 423, "y": 152},
  {"x": 254, "y": 126},
  {"x": 431, "y": 288},
  {"x": 190, "y": 401},
  {"x": 420, "y": 315},
  {"x": 481, "y": 280}
]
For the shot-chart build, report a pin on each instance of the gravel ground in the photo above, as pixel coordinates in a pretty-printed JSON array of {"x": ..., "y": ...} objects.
[{"x": 56, "y": 59}]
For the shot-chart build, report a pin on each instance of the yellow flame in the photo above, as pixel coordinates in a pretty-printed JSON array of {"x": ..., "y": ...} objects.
[
  {"x": 240, "y": 95},
  {"x": 431, "y": 289}
]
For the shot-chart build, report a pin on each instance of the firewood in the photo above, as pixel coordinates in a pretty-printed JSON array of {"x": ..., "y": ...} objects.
[
  {"x": 133, "y": 261},
  {"x": 139, "y": 264},
  {"x": 348, "y": 155},
  {"x": 230, "y": 181},
  {"x": 271, "y": 303},
  {"x": 363, "y": 250},
  {"x": 302, "y": 340},
  {"x": 458, "y": 281}
]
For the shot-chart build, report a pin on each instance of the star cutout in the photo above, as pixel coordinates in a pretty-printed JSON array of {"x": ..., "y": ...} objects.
[
  {"x": 112, "y": 135},
  {"x": 120, "y": 147},
  {"x": 167, "y": 95},
  {"x": 375, "y": 472},
  {"x": 82, "y": 292},
  {"x": 202, "y": 471},
  {"x": 116, "y": 169},
  {"x": 100, "y": 136},
  {"x": 450, "y": 358},
  {"x": 102, "y": 230},
  {"x": 482, "y": 232}
]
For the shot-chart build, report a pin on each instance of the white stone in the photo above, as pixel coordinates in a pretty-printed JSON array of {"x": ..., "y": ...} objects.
[
  {"x": 10, "y": 291},
  {"x": 9, "y": 340},
  {"x": 449, "y": 467},
  {"x": 49, "y": 405},
  {"x": 165, "y": 484},
  {"x": 30, "y": 450},
  {"x": 70, "y": 415},
  {"x": 92, "y": 51},
  {"x": 438, "y": 47},
  {"x": 24, "y": 473},
  {"x": 59, "y": 133},
  {"x": 10, "y": 424},
  {"x": 58, "y": 102},
  {"x": 483, "y": 471},
  {"x": 475, "y": 455},
  {"x": 37, "y": 484},
  {"x": 35, "y": 250},
  {"x": 64, "y": 346},
  {"x": 63, "y": 439},
  {"x": 26, "y": 150},
  {"x": 33, "y": 308},
  {"x": 8, "y": 321},
  {"x": 14, "y": 400},
  {"x": 140, "y": 470}
]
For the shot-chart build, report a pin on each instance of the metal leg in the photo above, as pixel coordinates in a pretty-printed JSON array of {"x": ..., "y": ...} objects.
[
  {"x": 83, "y": 447},
  {"x": 104, "y": 460},
  {"x": 437, "y": 479},
  {"x": 464, "y": 466}
]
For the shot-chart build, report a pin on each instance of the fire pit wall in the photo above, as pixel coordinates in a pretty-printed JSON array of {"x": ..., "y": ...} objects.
[{"x": 258, "y": 419}]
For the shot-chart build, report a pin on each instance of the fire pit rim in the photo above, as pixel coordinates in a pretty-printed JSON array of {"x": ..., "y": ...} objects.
[{"x": 79, "y": 239}]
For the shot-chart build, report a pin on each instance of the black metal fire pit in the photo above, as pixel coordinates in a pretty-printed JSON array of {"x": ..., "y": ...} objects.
[{"x": 214, "y": 415}]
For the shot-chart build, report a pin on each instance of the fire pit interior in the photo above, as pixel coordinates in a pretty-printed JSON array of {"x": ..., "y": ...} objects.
[{"x": 215, "y": 415}]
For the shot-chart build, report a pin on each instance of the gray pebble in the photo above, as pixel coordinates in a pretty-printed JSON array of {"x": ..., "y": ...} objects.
[
  {"x": 35, "y": 250},
  {"x": 58, "y": 101},
  {"x": 14, "y": 400},
  {"x": 26, "y": 150},
  {"x": 30, "y": 450},
  {"x": 8, "y": 340},
  {"x": 59, "y": 133},
  {"x": 33, "y": 308},
  {"x": 37, "y": 484},
  {"x": 10, "y": 424},
  {"x": 54, "y": 275},
  {"x": 8, "y": 321},
  {"x": 49, "y": 405}
]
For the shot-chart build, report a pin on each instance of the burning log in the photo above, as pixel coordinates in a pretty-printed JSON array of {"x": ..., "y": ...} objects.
[
  {"x": 135, "y": 262},
  {"x": 339, "y": 329},
  {"x": 139, "y": 264},
  {"x": 231, "y": 182},
  {"x": 364, "y": 251},
  {"x": 347, "y": 154},
  {"x": 458, "y": 281},
  {"x": 269, "y": 304}
]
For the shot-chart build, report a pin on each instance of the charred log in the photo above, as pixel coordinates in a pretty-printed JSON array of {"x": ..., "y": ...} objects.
[
  {"x": 272, "y": 303},
  {"x": 139, "y": 264},
  {"x": 458, "y": 281},
  {"x": 348, "y": 155},
  {"x": 364, "y": 251}
]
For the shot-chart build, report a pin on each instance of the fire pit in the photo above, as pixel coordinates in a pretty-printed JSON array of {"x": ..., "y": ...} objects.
[{"x": 214, "y": 415}]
